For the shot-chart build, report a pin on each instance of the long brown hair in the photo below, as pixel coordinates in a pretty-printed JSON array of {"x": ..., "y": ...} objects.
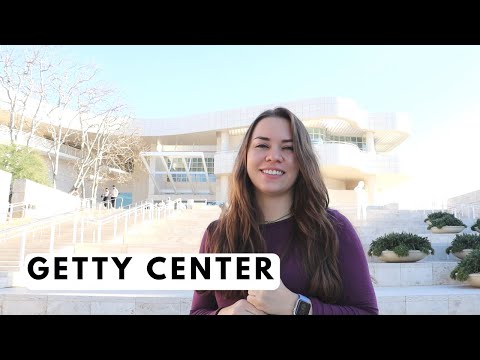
[{"x": 238, "y": 229}]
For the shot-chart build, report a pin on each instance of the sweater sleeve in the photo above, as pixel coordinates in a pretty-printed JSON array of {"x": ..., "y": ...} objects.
[
  {"x": 358, "y": 293},
  {"x": 204, "y": 304}
]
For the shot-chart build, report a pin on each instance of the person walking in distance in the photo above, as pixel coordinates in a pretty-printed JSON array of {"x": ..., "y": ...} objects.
[
  {"x": 105, "y": 196},
  {"x": 362, "y": 200},
  {"x": 114, "y": 195}
]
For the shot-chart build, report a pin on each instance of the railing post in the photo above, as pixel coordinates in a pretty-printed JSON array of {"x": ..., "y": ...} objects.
[
  {"x": 126, "y": 225},
  {"x": 114, "y": 227},
  {"x": 99, "y": 238},
  {"x": 23, "y": 243},
  {"x": 52, "y": 236},
  {"x": 75, "y": 221},
  {"x": 82, "y": 228}
]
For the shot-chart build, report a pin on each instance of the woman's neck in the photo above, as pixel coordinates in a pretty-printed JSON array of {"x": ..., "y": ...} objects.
[{"x": 275, "y": 207}]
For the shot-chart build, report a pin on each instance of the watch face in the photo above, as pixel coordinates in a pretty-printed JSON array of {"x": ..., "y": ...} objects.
[{"x": 303, "y": 308}]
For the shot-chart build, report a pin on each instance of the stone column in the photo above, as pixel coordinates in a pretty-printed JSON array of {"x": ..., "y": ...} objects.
[
  {"x": 371, "y": 185},
  {"x": 151, "y": 185},
  {"x": 223, "y": 143},
  {"x": 370, "y": 142},
  {"x": 224, "y": 140},
  {"x": 222, "y": 195}
]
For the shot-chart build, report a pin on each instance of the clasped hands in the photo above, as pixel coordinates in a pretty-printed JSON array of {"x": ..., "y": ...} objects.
[{"x": 264, "y": 302}]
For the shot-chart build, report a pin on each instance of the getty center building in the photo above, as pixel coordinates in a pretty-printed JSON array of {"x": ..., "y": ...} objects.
[{"x": 192, "y": 157}]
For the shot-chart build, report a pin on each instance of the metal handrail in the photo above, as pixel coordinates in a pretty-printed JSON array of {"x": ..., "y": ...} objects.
[
  {"x": 12, "y": 206},
  {"x": 36, "y": 224},
  {"x": 140, "y": 212}
]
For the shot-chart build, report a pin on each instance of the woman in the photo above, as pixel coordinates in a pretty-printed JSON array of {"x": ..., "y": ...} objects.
[{"x": 278, "y": 203}]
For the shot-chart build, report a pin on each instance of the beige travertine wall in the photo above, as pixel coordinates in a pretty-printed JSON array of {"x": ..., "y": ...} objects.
[
  {"x": 471, "y": 198},
  {"x": 43, "y": 201},
  {"x": 342, "y": 198},
  {"x": 66, "y": 174},
  {"x": 334, "y": 184},
  {"x": 5, "y": 180}
]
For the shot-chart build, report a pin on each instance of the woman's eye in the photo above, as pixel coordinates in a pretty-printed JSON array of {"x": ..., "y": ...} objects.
[
  {"x": 261, "y": 146},
  {"x": 288, "y": 148}
]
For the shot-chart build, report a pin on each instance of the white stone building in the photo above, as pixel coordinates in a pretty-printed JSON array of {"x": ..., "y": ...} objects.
[{"x": 192, "y": 157}]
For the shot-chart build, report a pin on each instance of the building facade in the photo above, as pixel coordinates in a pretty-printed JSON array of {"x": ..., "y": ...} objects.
[{"x": 192, "y": 157}]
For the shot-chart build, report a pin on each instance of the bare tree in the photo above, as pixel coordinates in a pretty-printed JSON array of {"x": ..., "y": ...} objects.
[
  {"x": 110, "y": 146},
  {"x": 22, "y": 78},
  {"x": 64, "y": 113},
  {"x": 122, "y": 156},
  {"x": 39, "y": 87},
  {"x": 94, "y": 110}
]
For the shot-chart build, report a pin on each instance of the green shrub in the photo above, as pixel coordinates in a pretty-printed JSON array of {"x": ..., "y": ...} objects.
[
  {"x": 23, "y": 163},
  {"x": 435, "y": 215},
  {"x": 464, "y": 241},
  {"x": 476, "y": 225},
  {"x": 469, "y": 265},
  {"x": 400, "y": 244},
  {"x": 445, "y": 220}
]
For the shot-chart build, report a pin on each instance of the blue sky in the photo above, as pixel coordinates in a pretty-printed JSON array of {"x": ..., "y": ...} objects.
[{"x": 439, "y": 86}]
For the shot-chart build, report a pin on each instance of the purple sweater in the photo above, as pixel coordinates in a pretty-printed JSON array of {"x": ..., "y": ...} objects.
[{"x": 359, "y": 296}]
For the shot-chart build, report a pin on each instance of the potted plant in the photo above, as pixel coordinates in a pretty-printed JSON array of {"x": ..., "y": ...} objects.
[
  {"x": 446, "y": 224},
  {"x": 400, "y": 247},
  {"x": 476, "y": 226},
  {"x": 463, "y": 244},
  {"x": 468, "y": 269},
  {"x": 434, "y": 215}
]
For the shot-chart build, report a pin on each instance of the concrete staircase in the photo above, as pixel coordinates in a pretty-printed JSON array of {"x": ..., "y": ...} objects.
[
  {"x": 67, "y": 235},
  {"x": 182, "y": 232},
  {"x": 423, "y": 287}
]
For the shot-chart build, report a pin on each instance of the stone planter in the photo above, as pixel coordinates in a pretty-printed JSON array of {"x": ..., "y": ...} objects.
[
  {"x": 474, "y": 280},
  {"x": 413, "y": 255},
  {"x": 461, "y": 255},
  {"x": 447, "y": 229}
]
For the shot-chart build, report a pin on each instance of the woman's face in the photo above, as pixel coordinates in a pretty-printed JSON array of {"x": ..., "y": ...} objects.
[{"x": 271, "y": 163}]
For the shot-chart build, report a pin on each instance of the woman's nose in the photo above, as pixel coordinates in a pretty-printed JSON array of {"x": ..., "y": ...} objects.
[{"x": 274, "y": 155}]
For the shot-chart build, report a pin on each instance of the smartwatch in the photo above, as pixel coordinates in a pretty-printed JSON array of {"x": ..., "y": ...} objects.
[{"x": 302, "y": 306}]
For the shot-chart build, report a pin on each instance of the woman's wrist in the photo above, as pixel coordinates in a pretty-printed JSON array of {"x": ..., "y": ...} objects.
[{"x": 292, "y": 300}]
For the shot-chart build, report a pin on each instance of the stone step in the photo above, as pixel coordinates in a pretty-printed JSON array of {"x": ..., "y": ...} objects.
[
  {"x": 15, "y": 254},
  {"x": 372, "y": 233},
  {"x": 412, "y": 274},
  {"x": 4, "y": 283},
  {"x": 6, "y": 267},
  {"x": 21, "y": 301},
  {"x": 429, "y": 300},
  {"x": 435, "y": 239},
  {"x": 439, "y": 255},
  {"x": 415, "y": 300}
]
